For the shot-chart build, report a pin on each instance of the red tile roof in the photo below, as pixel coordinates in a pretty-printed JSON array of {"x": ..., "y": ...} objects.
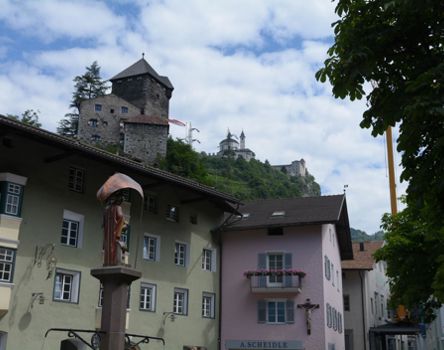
[
  {"x": 147, "y": 119},
  {"x": 362, "y": 260}
]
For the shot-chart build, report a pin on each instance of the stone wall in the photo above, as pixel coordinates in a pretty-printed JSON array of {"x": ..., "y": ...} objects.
[
  {"x": 144, "y": 92},
  {"x": 104, "y": 126},
  {"x": 145, "y": 142},
  {"x": 296, "y": 168}
]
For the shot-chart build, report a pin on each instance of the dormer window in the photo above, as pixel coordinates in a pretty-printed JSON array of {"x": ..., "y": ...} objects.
[
  {"x": 245, "y": 215},
  {"x": 98, "y": 107},
  {"x": 278, "y": 213},
  {"x": 123, "y": 109}
]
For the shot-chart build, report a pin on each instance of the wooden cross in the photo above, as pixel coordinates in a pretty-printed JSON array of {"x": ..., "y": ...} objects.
[{"x": 308, "y": 306}]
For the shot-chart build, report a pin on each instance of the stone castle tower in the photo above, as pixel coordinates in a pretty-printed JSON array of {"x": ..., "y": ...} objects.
[{"x": 134, "y": 116}]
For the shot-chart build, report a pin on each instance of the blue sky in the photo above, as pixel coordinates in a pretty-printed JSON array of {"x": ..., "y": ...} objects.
[{"x": 238, "y": 64}]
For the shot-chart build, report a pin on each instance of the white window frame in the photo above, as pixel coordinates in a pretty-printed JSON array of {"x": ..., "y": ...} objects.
[
  {"x": 146, "y": 252},
  {"x": 180, "y": 301},
  {"x": 74, "y": 217},
  {"x": 208, "y": 305},
  {"x": 147, "y": 291},
  {"x": 7, "y": 264},
  {"x": 267, "y": 311},
  {"x": 74, "y": 285},
  {"x": 76, "y": 179},
  {"x": 275, "y": 280},
  {"x": 209, "y": 263},
  {"x": 181, "y": 254},
  {"x": 13, "y": 196}
]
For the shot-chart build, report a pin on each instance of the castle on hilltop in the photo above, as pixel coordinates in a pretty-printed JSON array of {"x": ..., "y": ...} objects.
[
  {"x": 133, "y": 116},
  {"x": 231, "y": 147}
]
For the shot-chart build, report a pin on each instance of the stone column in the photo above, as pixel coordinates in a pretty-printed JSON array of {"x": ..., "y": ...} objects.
[{"x": 116, "y": 281}]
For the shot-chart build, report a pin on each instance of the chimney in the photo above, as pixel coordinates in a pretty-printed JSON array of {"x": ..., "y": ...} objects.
[{"x": 361, "y": 246}]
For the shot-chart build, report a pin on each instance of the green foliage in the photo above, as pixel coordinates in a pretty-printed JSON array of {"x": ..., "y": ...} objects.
[
  {"x": 29, "y": 117},
  {"x": 245, "y": 180},
  {"x": 415, "y": 272},
  {"x": 397, "y": 45},
  {"x": 68, "y": 126},
  {"x": 86, "y": 86},
  {"x": 183, "y": 161}
]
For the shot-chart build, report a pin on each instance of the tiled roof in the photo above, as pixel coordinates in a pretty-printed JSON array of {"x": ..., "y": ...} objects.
[
  {"x": 297, "y": 211},
  {"x": 362, "y": 260},
  {"x": 142, "y": 67},
  {"x": 147, "y": 119},
  {"x": 8, "y": 125},
  {"x": 265, "y": 213}
]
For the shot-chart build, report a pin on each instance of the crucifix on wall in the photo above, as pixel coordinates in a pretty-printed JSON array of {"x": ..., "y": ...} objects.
[{"x": 308, "y": 306}]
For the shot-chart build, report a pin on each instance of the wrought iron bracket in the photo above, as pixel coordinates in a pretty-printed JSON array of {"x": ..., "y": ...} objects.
[
  {"x": 74, "y": 333},
  {"x": 145, "y": 339}
]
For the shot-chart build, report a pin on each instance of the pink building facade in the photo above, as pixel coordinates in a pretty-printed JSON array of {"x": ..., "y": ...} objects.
[{"x": 281, "y": 255}]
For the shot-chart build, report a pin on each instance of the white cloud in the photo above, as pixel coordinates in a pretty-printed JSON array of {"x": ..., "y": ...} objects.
[{"x": 226, "y": 73}]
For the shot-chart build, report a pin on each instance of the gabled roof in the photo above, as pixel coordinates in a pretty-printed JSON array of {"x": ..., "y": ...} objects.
[
  {"x": 300, "y": 211},
  {"x": 362, "y": 259},
  {"x": 9, "y": 126},
  {"x": 147, "y": 119},
  {"x": 142, "y": 67}
]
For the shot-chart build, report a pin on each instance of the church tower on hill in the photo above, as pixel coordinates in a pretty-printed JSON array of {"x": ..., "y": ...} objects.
[{"x": 133, "y": 117}]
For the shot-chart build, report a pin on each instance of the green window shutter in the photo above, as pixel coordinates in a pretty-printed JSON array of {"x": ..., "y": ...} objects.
[
  {"x": 290, "y": 311},
  {"x": 262, "y": 265},
  {"x": 261, "y": 311},
  {"x": 288, "y": 265},
  {"x": 3, "y": 189}
]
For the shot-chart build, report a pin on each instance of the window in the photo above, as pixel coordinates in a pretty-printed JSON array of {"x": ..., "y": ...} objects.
[
  {"x": 124, "y": 109},
  {"x": 208, "y": 305},
  {"x": 92, "y": 123},
  {"x": 275, "y": 231},
  {"x": 76, "y": 179},
  {"x": 151, "y": 245},
  {"x": 193, "y": 219},
  {"x": 150, "y": 203},
  {"x": 66, "y": 286},
  {"x": 70, "y": 233},
  {"x": 72, "y": 228},
  {"x": 327, "y": 268},
  {"x": 371, "y": 305},
  {"x": 329, "y": 318},
  {"x": 95, "y": 137},
  {"x": 332, "y": 270},
  {"x": 98, "y": 107},
  {"x": 125, "y": 235},
  {"x": 13, "y": 196},
  {"x": 277, "y": 214},
  {"x": 7, "y": 262},
  {"x": 172, "y": 213},
  {"x": 147, "y": 297},
  {"x": 346, "y": 302},
  {"x": 111, "y": 110},
  {"x": 207, "y": 260},
  {"x": 276, "y": 311},
  {"x": 180, "y": 301},
  {"x": 180, "y": 254},
  {"x": 275, "y": 262}
]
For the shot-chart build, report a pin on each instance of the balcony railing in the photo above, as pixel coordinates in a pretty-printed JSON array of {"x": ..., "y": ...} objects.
[{"x": 275, "y": 281}]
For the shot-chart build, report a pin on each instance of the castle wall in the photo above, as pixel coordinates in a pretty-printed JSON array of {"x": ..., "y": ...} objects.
[
  {"x": 103, "y": 125},
  {"x": 145, "y": 93},
  {"x": 145, "y": 141}
]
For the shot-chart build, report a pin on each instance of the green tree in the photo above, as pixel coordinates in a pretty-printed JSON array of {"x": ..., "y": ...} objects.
[
  {"x": 29, "y": 117},
  {"x": 86, "y": 86},
  {"x": 392, "y": 52},
  {"x": 182, "y": 160}
]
